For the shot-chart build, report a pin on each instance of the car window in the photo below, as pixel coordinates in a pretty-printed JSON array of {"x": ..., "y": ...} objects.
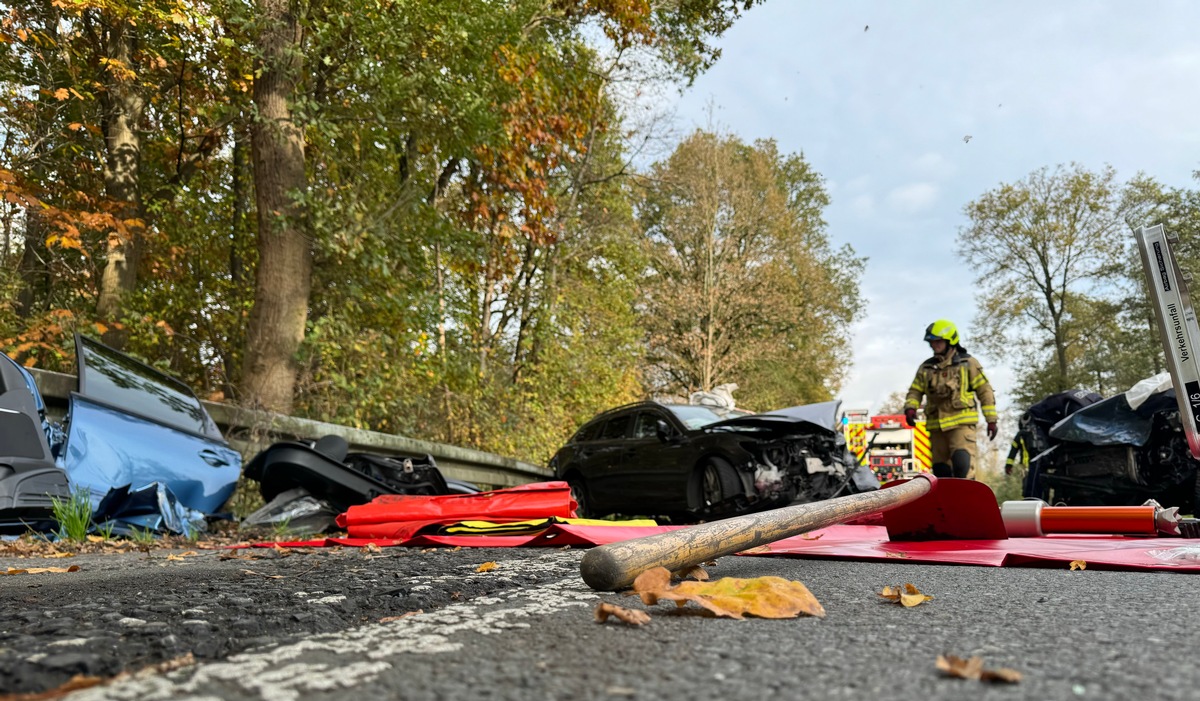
[
  {"x": 694, "y": 416},
  {"x": 589, "y": 432},
  {"x": 615, "y": 428},
  {"x": 646, "y": 425},
  {"x": 118, "y": 380}
]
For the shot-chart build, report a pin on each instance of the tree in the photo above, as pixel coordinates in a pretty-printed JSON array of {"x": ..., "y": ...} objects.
[
  {"x": 1043, "y": 249},
  {"x": 742, "y": 285}
]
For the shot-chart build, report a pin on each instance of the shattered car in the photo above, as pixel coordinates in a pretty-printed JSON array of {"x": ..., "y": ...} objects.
[
  {"x": 131, "y": 433},
  {"x": 306, "y": 485},
  {"x": 1119, "y": 451},
  {"x": 686, "y": 462}
]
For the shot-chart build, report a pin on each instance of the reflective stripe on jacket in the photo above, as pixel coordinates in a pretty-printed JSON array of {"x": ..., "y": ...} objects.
[{"x": 950, "y": 386}]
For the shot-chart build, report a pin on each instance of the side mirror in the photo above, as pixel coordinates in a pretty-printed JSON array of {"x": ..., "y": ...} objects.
[{"x": 662, "y": 430}]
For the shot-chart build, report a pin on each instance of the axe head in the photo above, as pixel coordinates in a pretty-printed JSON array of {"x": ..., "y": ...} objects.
[{"x": 954, "y": 509}]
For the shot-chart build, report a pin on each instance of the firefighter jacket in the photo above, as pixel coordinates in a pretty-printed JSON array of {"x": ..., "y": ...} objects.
[{"x": 950, "y": 386}]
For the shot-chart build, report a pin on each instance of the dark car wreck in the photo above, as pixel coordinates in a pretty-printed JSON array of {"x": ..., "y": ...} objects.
[
  {"x": 136, "y": 441},
  {"x": 687, "y": 463},
  {"x": 1119, "y": 451}
]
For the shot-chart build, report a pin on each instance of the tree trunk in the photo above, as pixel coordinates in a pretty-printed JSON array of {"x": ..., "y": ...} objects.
[
  {"x": 123, "y": 107},
  {"x": 283, "y": 278}
]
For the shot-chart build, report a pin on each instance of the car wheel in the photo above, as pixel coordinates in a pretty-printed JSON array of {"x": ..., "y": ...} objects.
[
  {"x": 711, "y": 490},
  {"x": 580, "y": 495}
]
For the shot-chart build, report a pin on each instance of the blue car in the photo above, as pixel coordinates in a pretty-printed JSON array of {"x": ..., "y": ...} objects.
[{"x": 136, "y": 440}]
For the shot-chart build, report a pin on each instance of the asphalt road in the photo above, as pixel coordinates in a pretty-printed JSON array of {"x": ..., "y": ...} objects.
[{"x": 330, "y": 623}]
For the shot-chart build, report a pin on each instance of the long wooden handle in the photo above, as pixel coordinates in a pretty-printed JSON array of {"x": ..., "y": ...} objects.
[{"x": 615, "y": 566}]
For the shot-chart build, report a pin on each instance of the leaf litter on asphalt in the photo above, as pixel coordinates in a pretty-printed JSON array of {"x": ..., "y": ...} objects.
[
  {"x": 907, "y": 595},
  {"x": 972, "y": 668},
  {"x": 625, "y": 615},
  {"x": 731, "y": 597}
]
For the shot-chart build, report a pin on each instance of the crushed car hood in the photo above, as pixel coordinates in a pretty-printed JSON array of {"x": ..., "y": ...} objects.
[{"x": 808, "y": 417}]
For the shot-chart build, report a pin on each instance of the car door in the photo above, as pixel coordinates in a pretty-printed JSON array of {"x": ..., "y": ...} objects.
[
  {"x": 603, "y": 486},
  {"x": 130, "y": 424},
  {"x": 656, "y": 468}
]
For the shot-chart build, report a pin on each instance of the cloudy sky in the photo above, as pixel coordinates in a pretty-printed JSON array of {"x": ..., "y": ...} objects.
[{"x": 881, "y": 98}]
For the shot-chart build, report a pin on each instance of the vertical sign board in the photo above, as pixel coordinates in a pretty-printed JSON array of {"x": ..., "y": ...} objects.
[{"x": 1177, "y": 324}]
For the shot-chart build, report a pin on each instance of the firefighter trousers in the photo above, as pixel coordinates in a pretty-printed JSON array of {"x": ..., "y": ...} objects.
[{"x": 953, "y": 451}]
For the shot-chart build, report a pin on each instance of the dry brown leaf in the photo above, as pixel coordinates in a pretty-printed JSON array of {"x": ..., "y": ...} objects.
[
  {"x": 695, "y": 572},
  {"x": 40, "y": 570},
  {"x": 58, "y": 555},
  {"x": 631, "y": 616},
  {"x": 972, "y": 668},
  {"x": 1000, "y": 675},
  {"x": 373, "y": 548},
  {"x": 955, "y": 666},
  {"x": 182, "y": 556},
  {"x": 810, "y": 536},
  {"x": 1078, "y": 565},
  {"x": 901, "y": 555},
  {"x": 486, "y": 567},
  {"x": 731, "y": 597}
]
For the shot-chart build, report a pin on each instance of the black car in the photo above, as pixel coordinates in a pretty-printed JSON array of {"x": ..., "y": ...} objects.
[
  {"x": 1114, "y": 453},
  {"x": 687, "y": 462}
]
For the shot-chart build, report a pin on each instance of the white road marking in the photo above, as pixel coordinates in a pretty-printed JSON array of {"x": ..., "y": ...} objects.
[{"x": 279, "y": 674}]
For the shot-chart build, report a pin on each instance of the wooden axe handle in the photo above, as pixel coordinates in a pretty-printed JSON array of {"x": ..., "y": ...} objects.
[{"x": 614, "y": 566}]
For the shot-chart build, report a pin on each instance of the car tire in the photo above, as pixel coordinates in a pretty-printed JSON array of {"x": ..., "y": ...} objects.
[
  {"x": 580, "y": 495},
  {"x": 712, "y": 486}
]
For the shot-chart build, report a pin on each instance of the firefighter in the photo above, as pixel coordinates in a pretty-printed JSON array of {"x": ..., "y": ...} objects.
[{"x": 950, "y": 383}]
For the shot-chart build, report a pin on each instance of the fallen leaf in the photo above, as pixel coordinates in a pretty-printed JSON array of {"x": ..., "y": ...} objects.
[
  {"x": 731, "y": 597},
  {"x": 972, "y": 668},
  {"x": 373, "y": 548},
  {"x": 182, "y": 556},
  {"x": 809, "y": 536},
  {"x": 955, "y": 666},
  {"x": 1078, "y": 565},
  {"x": 390, "y": 619},
  {"x": 40, "y": 570},
  {"x": 57, "y": 555},
  {"x": 902, "y": 555},
  {"x": 486, "y": 567},
  {"x": 908, "y": 595},
  {"x": 695, "y": 572},
  {"x": 1000, "y": 675},
  {"x": 631, "y": 616}
]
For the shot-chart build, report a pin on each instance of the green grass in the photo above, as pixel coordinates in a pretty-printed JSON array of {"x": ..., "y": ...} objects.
[
  {"x": 142, "y": 536},
  {"x": 73, "y": 515}
]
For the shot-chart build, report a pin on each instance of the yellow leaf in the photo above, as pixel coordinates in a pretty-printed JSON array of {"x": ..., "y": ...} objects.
[
  {"x": 908, "y": 595},
  {"x": 41, "y": 570},
  {"x": 486, "y": 567},
  {"x": 1078, "y": 565},
  {"x": 630, "y": 616},
  {"x": 731, "y": 597},
  {"x": 61, "y": 94}
]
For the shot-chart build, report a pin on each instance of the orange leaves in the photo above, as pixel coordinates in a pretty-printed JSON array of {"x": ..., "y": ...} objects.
[
  {"x": 731, "y": 597},
  {"x": 1078, "y": 565},
  {"x": 972, "y": 668},
  {"x": 486, "y": 567},
  {"x": 908, "y": 595}
]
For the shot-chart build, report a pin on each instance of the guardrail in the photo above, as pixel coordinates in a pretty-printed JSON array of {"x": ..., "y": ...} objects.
[{"x": 249, "y": 431}]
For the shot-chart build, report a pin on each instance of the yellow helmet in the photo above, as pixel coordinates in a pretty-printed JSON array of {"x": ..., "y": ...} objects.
[{"x": 944, "y": 330}]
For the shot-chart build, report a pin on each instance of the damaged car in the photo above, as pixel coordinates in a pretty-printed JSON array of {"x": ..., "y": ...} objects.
[
  {"x": 688, "y": 463},
  {"x": 135, "y": 440},
  {"x": 1120, "y": 451}
]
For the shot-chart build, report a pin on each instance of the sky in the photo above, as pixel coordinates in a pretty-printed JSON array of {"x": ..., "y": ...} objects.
[{"x": 912, "y": 109}]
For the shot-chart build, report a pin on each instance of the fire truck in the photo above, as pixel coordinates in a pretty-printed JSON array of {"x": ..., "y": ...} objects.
[{"x": 886, "y": 443}]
